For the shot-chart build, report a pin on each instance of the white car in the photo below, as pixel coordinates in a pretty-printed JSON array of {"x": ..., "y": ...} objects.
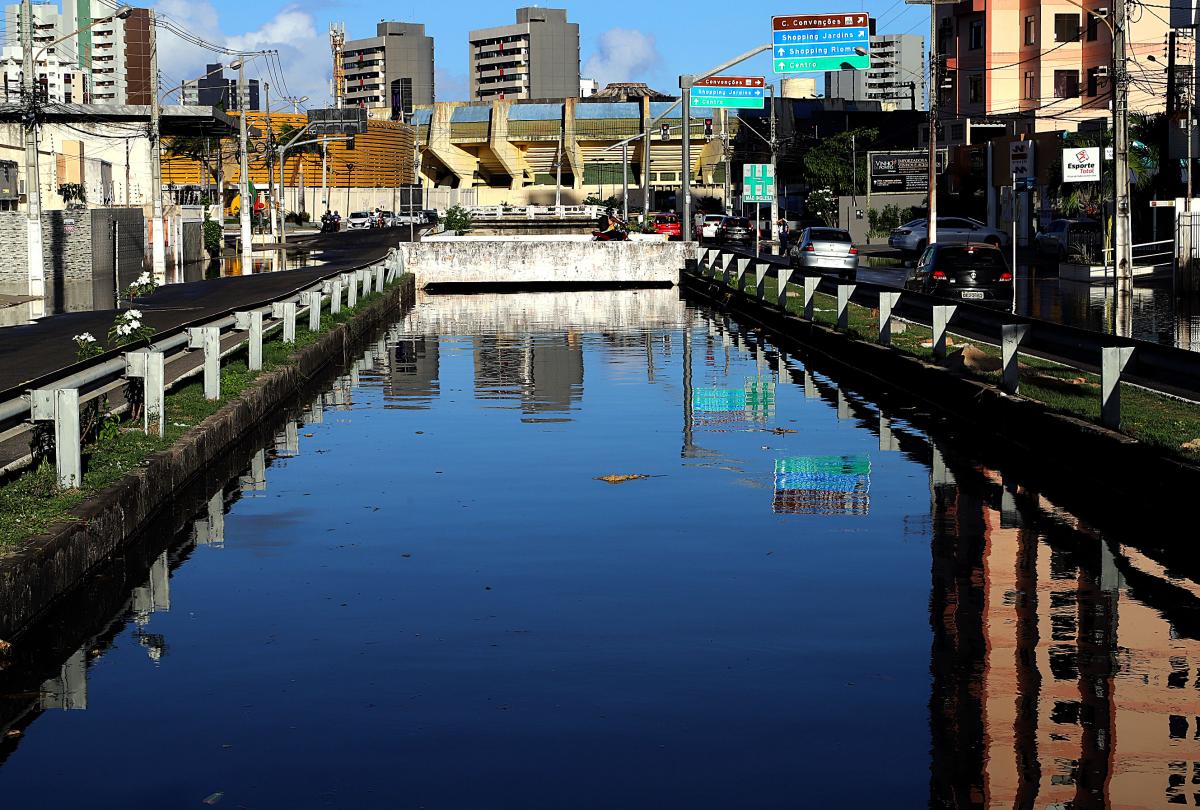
[
  {"x": 359, "y": 220},
  {"x": 708, "y": 228},
  {"x": 912, "y": 237}
]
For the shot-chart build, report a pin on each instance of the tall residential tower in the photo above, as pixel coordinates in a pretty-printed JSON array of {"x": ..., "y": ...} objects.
[
  {"x": 390, "y": 73},
  {"x": 538, "y": 57}
]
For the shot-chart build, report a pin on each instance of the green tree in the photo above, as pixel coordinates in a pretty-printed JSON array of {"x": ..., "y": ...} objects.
[{"x": 828, "y": 163}]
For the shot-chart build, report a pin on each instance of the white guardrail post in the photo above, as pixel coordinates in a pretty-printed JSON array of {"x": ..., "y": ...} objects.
[
  {"x": 61, "y": 406},
  {"x": 1113, "y": 360},
  {"x": 743, "y": 264},
  {"x": 351, "y": 280},
  {"x": 760, "y": 280},
  {"x": 887, "y": 302},
  {"x": 942, "y": 313},
  {"x": 150, "y": 367},
  {"x": 785, "y": 278},
  {"x": 251, "y": 322},
  {"x": 314, "y": 310},
  {"x": 335, "y": 295},
  {"x": 208, "y": 338},
  {"x": 380, "y": 276},
  {"x": 287, "y": 311},
  {"x": 1011, "y": 336},
  {"x": 844, "y": 291},
  {"x": 810, "y": 293}
]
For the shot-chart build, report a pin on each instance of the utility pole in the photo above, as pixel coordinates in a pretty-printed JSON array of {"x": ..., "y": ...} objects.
[
  {"x": 685, "y": 85},
  {"x": 33, "y": 183},
  {"x": 158, "y": 247},
  {"x": 1122, "y": 230},
  {"x": 244, "y": 182},
  {"x": 934, "y": 88},
  {"x": 324, "y": 173},
  {"x": 625, "y": 182},
  {"x": 774, "y": 165},
  {"x": 271, "y": 162},
  {"x": 646, "y": 162},
  {"x": 727, "y": 153}
]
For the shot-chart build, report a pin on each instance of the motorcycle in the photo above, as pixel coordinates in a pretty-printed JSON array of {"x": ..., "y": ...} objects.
[{"x": 329, "y": 225}]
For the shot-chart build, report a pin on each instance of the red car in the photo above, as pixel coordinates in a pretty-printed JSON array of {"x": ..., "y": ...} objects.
[{"x": 668, "y": 224}]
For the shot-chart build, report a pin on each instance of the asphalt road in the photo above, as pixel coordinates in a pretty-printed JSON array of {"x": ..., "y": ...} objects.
[{"x": 34, "y": 350}]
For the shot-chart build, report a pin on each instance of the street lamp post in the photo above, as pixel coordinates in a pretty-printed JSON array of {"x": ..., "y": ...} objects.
[{"x": 158, "y": 245}]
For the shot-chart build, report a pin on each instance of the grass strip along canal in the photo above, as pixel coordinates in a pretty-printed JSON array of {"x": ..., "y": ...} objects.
[{"x": 50, "y": 536}]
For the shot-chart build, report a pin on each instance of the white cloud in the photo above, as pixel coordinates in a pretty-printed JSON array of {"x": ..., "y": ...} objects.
[
  {"x": 450, "y": 86},
  {"x": 622, "y": 54},
  {"x": 307, "y": 66}
]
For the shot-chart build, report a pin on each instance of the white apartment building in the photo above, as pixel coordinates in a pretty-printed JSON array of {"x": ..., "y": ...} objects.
[{"x": 54, "y": 80}]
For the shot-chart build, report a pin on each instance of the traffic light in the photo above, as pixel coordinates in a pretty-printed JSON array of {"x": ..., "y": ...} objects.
[
  {"x": 708, "y": 128},
  {"x": 665, "y": 131}
]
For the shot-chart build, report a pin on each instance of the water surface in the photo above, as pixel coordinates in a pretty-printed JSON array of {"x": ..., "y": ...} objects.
[{"x": 419, "y": 595}]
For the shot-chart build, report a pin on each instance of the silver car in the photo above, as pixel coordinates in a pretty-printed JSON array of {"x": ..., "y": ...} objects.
[
  {"x": 912, "y": 237},
  {"x": 359, "y": 220},
  {"x": 825, "y": 250}
]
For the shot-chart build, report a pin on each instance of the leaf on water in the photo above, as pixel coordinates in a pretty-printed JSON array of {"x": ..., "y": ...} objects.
[
  {"x": 1194, "y": 444},
  {"x": 779, "y": 431},
  {"x": 620, "y": 479},
  {"x": 213, "y": 798}
]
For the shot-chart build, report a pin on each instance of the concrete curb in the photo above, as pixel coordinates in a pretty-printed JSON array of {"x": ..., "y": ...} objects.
[
  {"x": 1071, "y": 453},
  {"x": 44, "y": 568}
]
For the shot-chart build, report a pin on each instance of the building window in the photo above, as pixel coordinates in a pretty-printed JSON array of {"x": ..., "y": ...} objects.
[
  {"x": 1030, "y": 84},
  {"x": 1093, "y": 80},
  {"x": 958, "y": 132},
  {"x": 1066, "y": 84},
  {"x": 975, "y": 88},
  {"x": 976, "y": 35},
  {"x": 1031, "y": 30},
  {"x": 1066, "y": 27},
  {"x": 1092, "y": 27}
]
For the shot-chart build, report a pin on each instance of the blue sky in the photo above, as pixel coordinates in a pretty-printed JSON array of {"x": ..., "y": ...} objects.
[{"x": 655, "y": 44}]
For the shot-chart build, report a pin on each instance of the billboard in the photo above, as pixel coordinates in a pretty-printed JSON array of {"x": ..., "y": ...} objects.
[
  {"x": 901, "y": 172},
  {"x": 338, "y": 121}
]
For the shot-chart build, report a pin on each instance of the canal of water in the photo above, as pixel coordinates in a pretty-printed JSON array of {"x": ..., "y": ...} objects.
[{"x": 420, "y": 594}]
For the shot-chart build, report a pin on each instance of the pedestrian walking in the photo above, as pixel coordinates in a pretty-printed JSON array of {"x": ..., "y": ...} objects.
[{"x": 784, "y": 231}]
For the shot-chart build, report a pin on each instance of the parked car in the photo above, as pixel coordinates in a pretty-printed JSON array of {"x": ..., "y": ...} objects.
[
  {"x": 735, "y": 229},
  {"x": 431, "y": 216},
  {"x": 389, "y": 219},
  {"x": 971, "y": 272},
  {"x": 359, "y": 220},
  {"x": 709, "y": 226},
  {"x": 912, "y": 237},
  {"x": 1065, "y": 237},
  {"x": 668, "y": 224},
  {"x": 826, "y": 250}
]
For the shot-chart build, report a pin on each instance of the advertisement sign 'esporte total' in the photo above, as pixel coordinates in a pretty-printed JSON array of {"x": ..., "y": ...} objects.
[{"x": 1081, "y": 165}]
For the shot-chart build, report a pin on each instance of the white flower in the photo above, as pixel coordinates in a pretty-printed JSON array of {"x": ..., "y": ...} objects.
[{"x": 133, "y": 313}]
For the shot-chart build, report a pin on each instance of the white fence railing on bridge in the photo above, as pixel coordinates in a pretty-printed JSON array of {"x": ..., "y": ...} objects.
[{"x": 580, "y": 212}]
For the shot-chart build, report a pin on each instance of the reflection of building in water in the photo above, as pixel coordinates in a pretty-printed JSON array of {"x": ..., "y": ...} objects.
[
  {"x": 752, "y": 404},
  {"x": 822, "y": 485},
  {"x": 414, "y": 376},
  {"x": 1041, "y": 697},
  {"x": 68, "y": 690},
  {"x": 544, "y": 372}
]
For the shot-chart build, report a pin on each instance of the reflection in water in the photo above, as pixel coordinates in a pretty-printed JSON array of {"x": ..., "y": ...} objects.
[{"x": 997, "y": 650}]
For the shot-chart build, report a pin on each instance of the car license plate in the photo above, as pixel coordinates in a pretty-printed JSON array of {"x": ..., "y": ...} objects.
[{"x": 972, "y": 294}]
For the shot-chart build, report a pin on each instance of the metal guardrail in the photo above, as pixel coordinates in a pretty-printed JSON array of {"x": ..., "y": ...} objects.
[
  {"x": 59, "y": 399},
  {"x": 1165, "y": 369}
]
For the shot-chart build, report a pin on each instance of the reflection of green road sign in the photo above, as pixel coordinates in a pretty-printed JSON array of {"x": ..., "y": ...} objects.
[{"x": 758, "y": 183}]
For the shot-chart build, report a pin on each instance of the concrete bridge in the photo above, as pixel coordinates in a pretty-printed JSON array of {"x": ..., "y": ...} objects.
[{"x": 546, "y": 260}]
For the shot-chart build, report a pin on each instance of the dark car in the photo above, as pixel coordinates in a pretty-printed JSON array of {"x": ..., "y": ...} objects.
[
  {"x": 968, "y": 272},
  {"x": 1064, "y": 238},
  {"x": 735, "y": 229}
]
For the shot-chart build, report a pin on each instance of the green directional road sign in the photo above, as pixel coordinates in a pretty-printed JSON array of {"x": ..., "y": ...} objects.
[
  {"x": 812, "y": 43},
  {"x": 758, "y": 183},
  {"x": 819, "y": 64}
]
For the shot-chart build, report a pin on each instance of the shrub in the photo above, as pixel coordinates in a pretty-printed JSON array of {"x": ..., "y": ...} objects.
[
  {"x": 458, "y": 220},
  {"x": 297, "y": 217},
  {"x": 214, "y": 236}
]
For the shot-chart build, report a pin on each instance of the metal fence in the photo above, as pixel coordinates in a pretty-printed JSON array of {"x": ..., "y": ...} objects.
[
  {"x": 59, "y": 400},
  {"x": 1166, "y": 369}
]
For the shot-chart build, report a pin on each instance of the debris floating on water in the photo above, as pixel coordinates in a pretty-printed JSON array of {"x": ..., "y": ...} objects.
[
  {"x": 213, "y": 798},
  {"x": 620, "y": 479}
]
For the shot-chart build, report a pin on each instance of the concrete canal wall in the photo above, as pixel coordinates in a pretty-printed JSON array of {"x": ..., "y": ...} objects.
[
  {"x": 546, "y": 260},
  {"x": 34, "y": 576}
]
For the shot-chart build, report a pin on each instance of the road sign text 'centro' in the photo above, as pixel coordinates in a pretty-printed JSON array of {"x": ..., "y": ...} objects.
[
  {"x": 730, "y": 92},
  {"x": 806, "y": 43}
]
